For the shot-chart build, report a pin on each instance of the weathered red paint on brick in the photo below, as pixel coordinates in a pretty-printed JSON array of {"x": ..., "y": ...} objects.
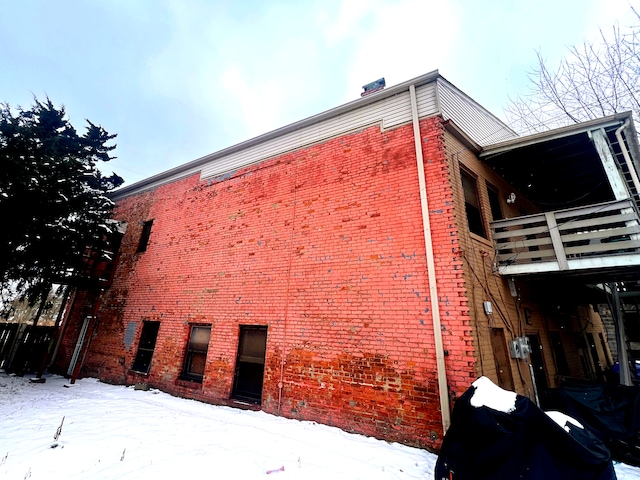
[{"x": 324, "y": 246}]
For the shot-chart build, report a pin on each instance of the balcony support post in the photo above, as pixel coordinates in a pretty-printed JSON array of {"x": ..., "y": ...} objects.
[
  {"x": 556, "y": 241},
  {"x": 613, "y": 174}
]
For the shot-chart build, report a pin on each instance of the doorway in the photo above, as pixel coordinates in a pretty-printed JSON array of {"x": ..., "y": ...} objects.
[
  {"x": 539, "y": 371},
  {"x": 501, "y": 359},
  {"x": 249, "y": 375},
  {"x": 597, "y": 365},
  {"x": 562, "y": 366}
]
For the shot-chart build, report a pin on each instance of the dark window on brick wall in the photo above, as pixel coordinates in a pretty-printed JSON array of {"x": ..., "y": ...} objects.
[
  {"x": 494, "y": 202},
  {"x": 472, "y": 204},
  {"x": 146, "y": 346},
  {"x": 197, "y": 346},
  {"x": 144, "y": 236}
]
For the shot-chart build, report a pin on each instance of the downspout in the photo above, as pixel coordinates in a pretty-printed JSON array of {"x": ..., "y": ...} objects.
[
  {"x": 443, "y": 388},
  {"x": 627, "y": 158}
]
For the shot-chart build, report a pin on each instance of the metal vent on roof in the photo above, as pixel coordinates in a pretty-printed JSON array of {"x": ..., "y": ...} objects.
[{"x": 373, "y": 87}]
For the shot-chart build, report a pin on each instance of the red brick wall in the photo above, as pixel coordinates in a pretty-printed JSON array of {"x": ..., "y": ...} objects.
[{"x": 325, "y": 247}]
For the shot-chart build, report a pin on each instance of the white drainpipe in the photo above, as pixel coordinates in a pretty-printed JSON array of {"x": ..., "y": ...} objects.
[{"x": 431, "y": 270}]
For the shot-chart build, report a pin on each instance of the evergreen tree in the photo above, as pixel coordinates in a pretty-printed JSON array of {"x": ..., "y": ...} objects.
[{"x": 53, "y": 203}]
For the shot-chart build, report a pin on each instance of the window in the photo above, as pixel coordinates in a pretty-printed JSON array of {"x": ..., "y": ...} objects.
[
  {"x": 146, "y": 346},
  {"x": 494, "y": 202},
  {"x": 194, "y": 362},
  {"x": 472, "y": 204},
  {"x": 144, "y": 236}
]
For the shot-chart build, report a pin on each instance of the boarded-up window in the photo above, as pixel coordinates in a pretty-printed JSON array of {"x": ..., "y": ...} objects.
[
  {"x": 146, "y": 346},
  {"x": 472, "y": 204},
  {"x": 195, "y": 359}
]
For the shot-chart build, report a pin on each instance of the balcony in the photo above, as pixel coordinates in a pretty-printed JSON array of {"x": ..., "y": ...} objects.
[{"x": 591, "y": 239}]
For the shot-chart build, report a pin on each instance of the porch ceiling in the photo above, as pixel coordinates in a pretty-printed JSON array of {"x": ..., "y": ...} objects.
[
  {"x": 561, "y": 169},
  {"x": 557, "y": 169}
]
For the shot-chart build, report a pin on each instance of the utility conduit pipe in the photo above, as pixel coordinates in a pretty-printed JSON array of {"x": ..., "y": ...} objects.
[
  {"x": 627, "y": 158},
  {"x": 630, "y": 165},
  {"x": 443, "y": 388}
]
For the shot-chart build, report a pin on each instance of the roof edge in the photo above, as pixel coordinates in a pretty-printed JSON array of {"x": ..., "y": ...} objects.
[{"x": 501, "y": 147}]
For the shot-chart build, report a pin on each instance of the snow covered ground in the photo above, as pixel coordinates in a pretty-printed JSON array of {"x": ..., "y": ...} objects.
[{"x": 113, "y": 432}]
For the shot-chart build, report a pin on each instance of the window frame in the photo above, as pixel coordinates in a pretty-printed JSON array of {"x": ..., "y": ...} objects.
[
  {"x": 477, "y": 209},
  {"x": 194, "y": 350}
]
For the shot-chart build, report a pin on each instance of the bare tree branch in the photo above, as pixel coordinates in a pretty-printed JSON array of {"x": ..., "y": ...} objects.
[{"x": 593, "y": 80}]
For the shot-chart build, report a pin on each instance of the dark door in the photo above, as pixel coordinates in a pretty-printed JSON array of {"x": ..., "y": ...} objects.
[
  {"x": 537, "y": 362},
  {"x": 501, "y": 359},
  {"x": 250, "y": 364},
  {"x": 562, "y": 366},
  {"x": 605, "y": 350}
]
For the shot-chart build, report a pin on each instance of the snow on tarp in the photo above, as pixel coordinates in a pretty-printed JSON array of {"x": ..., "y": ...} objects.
[
  {"x": 488, "y": 394},
  {"x": 564, "y": 420},
  {"x": 496, "y": 434}
]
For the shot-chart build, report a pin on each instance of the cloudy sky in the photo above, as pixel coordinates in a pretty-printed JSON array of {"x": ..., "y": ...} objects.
[{"x": 177, "y": 80}]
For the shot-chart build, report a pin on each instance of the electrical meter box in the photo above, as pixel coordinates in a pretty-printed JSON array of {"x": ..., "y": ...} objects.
[{"x": 520, "y": 347}]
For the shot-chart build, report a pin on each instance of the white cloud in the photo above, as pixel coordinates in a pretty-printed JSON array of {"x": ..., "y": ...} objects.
[
  {"x": 602, "y": 16},
  {"x": 229, "y": 71},
  {"x": 397, "y": 40},
  {"x": 282, "y": 63}
]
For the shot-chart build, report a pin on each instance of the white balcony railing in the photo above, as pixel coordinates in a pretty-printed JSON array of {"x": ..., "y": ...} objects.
[{"x": 596, "y": 236}]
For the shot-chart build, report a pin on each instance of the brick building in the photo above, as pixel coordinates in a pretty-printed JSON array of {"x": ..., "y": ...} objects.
[{"x": 345, "y": 269}]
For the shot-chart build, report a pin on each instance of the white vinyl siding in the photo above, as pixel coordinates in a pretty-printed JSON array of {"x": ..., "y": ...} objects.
[
  {"x": 426, "y": 98},
  {"x": 480, "y": 125}
]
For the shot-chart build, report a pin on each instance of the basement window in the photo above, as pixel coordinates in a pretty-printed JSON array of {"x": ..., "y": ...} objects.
[
  {"x": 196, "y": 356},
  {"x": 472, "y": 204},
  {"x": 144, "y": 236},
  {"x": 146, "y": 346}
]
